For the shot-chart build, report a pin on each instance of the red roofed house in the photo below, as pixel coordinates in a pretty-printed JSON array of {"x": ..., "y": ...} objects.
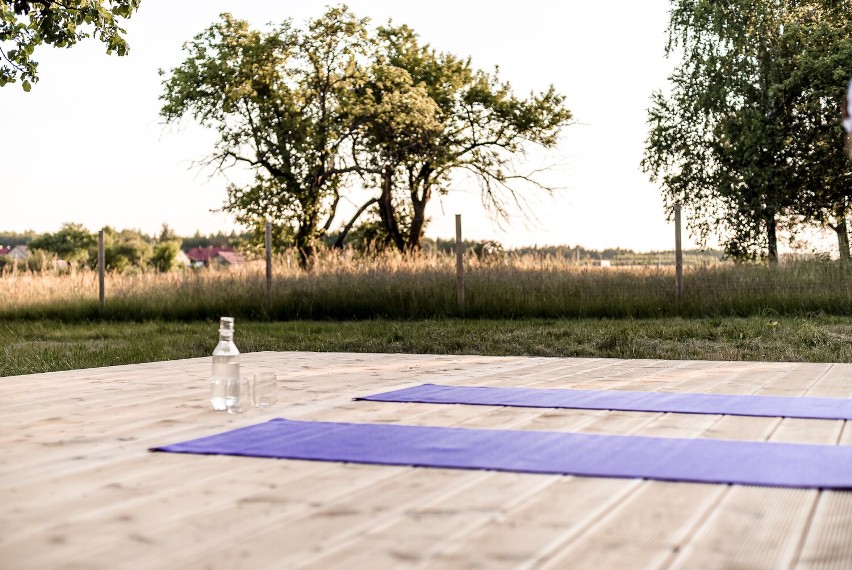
[
  {"x": 229, "y": 258},
  {"x": 16, "y": 252},
  {"x": 204, "y": 256},
  {"x": 20, "y": 252}
]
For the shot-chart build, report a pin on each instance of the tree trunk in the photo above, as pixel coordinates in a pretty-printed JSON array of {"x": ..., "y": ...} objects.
[
  {"x": 418, "y": 220},
  {"x": 772, "y": 238},
  {"x": 842, "y": 231},
  {"x": 308, "y": 260},
  {"x": 386, "y": 211},
  {"x": 306, "y": 246}
]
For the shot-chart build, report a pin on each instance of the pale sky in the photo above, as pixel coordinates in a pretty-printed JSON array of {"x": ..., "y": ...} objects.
[{"x": 86, "y": 145}]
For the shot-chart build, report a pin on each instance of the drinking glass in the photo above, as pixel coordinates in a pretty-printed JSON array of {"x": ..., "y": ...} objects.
[
  {"x": 264, "y": 389},
  {"x": 244, "y": 400}
]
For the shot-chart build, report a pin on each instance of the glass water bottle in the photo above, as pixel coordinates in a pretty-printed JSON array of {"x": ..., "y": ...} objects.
[{"x": 225, "y": 381}]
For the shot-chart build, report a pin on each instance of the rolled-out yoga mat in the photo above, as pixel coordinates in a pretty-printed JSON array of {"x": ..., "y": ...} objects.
[
  {"x": 687, "y": 403},
  {"x": 667, "y": 459}
]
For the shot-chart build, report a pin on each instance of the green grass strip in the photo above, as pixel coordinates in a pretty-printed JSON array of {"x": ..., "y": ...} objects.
[{"x": 52, "y": 345}]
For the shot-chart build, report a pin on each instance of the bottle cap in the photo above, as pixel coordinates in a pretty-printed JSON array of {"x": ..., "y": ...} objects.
[{"x": 226, "y": 323}]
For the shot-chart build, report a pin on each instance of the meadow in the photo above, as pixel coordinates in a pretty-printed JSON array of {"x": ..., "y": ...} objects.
[
  {"x": 393, "y": 287},
  {"x": 530, "y": 305}
]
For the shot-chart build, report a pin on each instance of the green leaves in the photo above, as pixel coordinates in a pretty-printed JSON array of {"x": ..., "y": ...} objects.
[
  {"x": 28, "y": 24},
  {"x": 307, "y": 108},
  {"x": 278, "y": 100},
  {"x": 72, "y": 243},
  {"x": 740, "y": 136},
  {"x": 428, "y": 115}
]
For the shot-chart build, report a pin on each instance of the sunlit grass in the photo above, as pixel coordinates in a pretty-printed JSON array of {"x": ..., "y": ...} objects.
[
  {"x": 541, "y": 306},
  {"x": 394, "y": 287}
]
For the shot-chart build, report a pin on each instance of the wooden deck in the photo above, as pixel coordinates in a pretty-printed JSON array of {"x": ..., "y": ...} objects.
[{"x": 79, "y": 489}]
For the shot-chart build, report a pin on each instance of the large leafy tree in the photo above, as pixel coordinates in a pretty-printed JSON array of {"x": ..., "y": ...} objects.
[
  {"x": 123, "y": 250},
  {"x": 164, "y": 256},
  {"x": 724, "y": 141},
  {"x": 306, "y": 110},
  {"x": 73, "y": 243},
  {"x": 27, "y": 24},
  {"x": 280, "y": 102},
  {"x": 399, "y": 124},
  {"x": 821, "y": 53},
  {"x": 430, "y": 115}
]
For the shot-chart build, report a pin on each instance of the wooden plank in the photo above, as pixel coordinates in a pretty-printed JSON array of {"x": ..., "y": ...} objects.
[
  {"x": 488, "y": 536},
  {"x": 826, "y": 545},
  {"x": 655, "y": 523},
  {"x": 37, "y": 545},
  {"x": 775, "y": 520},
  {"x": 477, "y": 529},
  {"x": 387, "y": 544},
  {"x": 80, "y": 489},
  {"x": 602, "y": 422}
]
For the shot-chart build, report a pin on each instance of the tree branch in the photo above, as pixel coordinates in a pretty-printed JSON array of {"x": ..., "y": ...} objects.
[{"x": 338, "y": 244}]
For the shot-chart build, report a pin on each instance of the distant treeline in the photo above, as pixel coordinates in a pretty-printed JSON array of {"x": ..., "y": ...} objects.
[
  {"x": 11, "y": 239},
  {"x": 482, "y": 249},
  {"x": 74, "y": 246}
]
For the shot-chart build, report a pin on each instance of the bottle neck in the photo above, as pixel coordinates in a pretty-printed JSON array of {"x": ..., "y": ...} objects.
[{"x": 226, "y": 336}]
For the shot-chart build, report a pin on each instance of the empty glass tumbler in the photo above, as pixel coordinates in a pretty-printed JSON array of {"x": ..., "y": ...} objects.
[{"x": 265, "y": 389}]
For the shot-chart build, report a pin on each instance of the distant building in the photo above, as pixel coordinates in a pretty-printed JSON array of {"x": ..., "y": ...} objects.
[
  {"x": 200, "y": 256},
  {"x": 182, "y": 259},
  {"x": 204, "y": 256},
  {"x": 19, "y": 252},
  {"x": 229, "y": 258}
]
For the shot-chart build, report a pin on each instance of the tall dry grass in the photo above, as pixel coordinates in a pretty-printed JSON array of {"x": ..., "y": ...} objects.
[{"x": 393, "y": 286}]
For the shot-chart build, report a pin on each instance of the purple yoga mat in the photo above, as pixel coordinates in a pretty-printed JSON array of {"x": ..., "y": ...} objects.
[
  {"x": 667, "y": 459},
  {"x": 771, "y": 406}
]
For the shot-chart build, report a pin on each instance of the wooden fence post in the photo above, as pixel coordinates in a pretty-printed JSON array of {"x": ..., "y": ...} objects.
[
  {"x": 678, "y": 254},
  {"x": 101, "y": 271},
  {"x": 459, "y": 264},
  {"x": 268, "y": 264}
]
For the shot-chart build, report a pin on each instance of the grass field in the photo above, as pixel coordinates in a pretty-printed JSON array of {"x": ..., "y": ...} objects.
[
  {"x": 541, "y": 306},
  {"x": 46, "y": 345},
  {"x": 392, "y": 288}
]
